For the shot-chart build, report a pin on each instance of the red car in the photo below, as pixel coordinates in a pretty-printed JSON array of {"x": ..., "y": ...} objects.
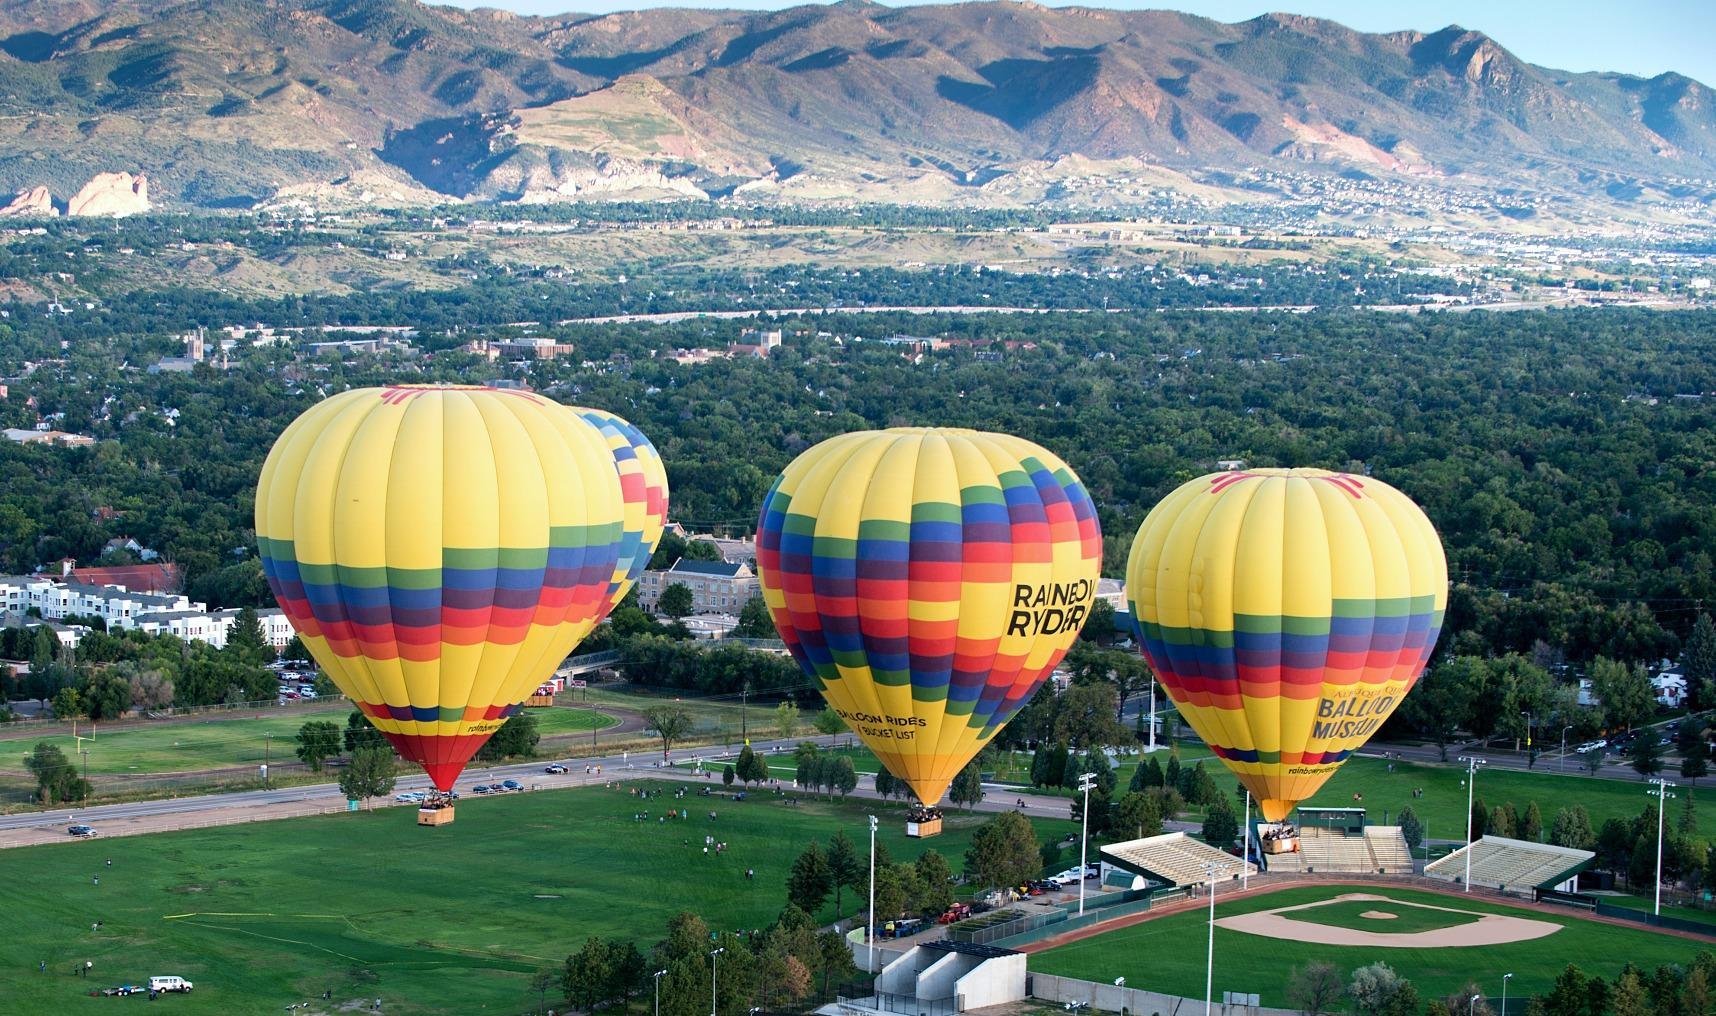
[{"x": 957, "y": 912}]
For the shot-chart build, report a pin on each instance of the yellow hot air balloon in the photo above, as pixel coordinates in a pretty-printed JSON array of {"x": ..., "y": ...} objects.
[
  {"x": 1287, "y": 612},
  {"x": 439, "y": 550},
  {"x": 929, "y": 580},
  {"x": 643, "y": 487}
]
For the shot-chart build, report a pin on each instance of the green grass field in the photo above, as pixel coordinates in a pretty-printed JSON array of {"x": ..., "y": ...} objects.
[
  {"x": 1168, "y": 955},
  {"x": 191, "y": 745},
  {"x": 1408, "y": 918},
  {"x": 431, "y": 920}
]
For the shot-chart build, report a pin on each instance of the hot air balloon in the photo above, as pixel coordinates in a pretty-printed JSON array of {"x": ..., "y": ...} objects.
[
  {"x": 928, "y": 580},
  {"x": 439, "y": 550},
  {"x": 643, "y": 486},
  {"x": 1287, "y": 612}
]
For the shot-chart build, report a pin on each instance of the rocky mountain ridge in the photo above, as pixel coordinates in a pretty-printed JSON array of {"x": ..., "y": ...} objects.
[{"x": 229, "y": 103}]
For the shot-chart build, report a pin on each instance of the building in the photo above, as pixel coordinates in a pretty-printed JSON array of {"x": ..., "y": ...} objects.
[
  {"x": 531, "y": 348},
  {"x": 153, "y": 577},
  {"x": 742, "y": 550},
  {"x": 122, "y": 609},
  {"x": 717, "y": 587},
  {"x": 58, "y": 437}
]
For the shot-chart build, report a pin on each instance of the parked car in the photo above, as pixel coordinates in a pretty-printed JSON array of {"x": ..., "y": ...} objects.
[
  {"x": 511, "y": 785},
  {"x": 411, "y": 795},
  {"x": 495, "y": 788},
  {"x": 168, "y": 982},
  {"x": 480, "y": 789},
  {"x": 556, "y": 769},
  {"x": 82, "y": 832},
  {"x": 1044, "y": 885},
  {"x": 1070, "y": 877},
  {"x": 957, "y": 912}
]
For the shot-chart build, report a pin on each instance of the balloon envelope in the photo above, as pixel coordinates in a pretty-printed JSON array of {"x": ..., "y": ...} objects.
[
  {"x": 440, "y": 551},
  {"x": 643, "y": 487},
  {"x": 929, "y": 581},
  {"x": 1286, "y": 613}
]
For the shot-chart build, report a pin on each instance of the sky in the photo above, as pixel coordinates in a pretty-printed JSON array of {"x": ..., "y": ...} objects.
[{"x": 1644, "y": 37}]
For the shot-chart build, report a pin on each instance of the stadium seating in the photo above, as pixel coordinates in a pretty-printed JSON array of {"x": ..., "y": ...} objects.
[
  {"x": 1389, "y": 850},
  {"x": 1175, "y": 858},
  {"x": 1380, "y": 849},
  {"x": 1503, "y": 863}
]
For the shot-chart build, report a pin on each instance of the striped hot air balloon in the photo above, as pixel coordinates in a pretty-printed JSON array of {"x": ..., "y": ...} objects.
[
  {"x": 439, "y": 550},
  {"x": 1287, "y": 612},
  {"x": 643, "y": 486},
  {"x": 929, "y": 581}
]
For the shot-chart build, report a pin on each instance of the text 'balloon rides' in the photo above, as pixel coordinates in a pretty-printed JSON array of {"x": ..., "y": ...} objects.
[
  {"x": 439, "y": 550},
  {"x": 643, "y": 488},
  {"x": 1287, "y": 612},
  {"x": 929, "y": 581}
]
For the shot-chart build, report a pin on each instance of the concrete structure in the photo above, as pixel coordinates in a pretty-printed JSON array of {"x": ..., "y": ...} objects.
[
  {"x": 710, "y": 626},
  {"x": 58, "y": 437},
  {"x": 717, "y": 587},
  {"x": 948, "y": 977},
  {"x": 1174, "y": 859},
  {"x": 121, "y": 609}
]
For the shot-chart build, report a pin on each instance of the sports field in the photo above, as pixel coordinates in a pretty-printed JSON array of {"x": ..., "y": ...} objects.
[
  {"x": 1401, "y": 920},
  {"x": 446, "y": 920},
  {"x": 1168, "y": 954},
  {"x": 192, "y": 745}
]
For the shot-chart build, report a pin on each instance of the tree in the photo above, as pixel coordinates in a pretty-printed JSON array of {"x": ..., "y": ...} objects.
[
  {"x": 935, "y": 882},
  {"x": 1646, "y": 752},
  {"x": 67, "y": 703},
  {"x": 295, "y": 651},
  {"x": 754, "y": 620},
  {"x": 1171, "y": 772},
  {"x": 896, "y": 886},
  {"x": 1480, "y": 818},
  {"x": 967, "y": 787},
  {"x": 810, "y": 880},
  {"x": 107, "y": 696},
  {"x": 318, "y": 741},
  {"x": 1442, "y": 704},
  {"x": 841, "y": 775},
  {"x": 1099, "y": 623},
  {"x": 749, "y": 767},
  {"x": 888, "y": 785},
  {"x": 589, "y": 972},
  {"x": 846, "y": 869},
  {"x": 1086, "y": 717},
  {"x": 1315, "y": 989},
  {"x": 1004, "y": 851},
  {"x": 56, "y": 778},
  {"x": 246, "y": 639},
  {"x": 1147, "y": 774},
  {"x": 516, "y": 738},
  {"x": 1615, "y": 845},
  {"x": 786, "y": 719},
  {"x": 371, "y": 773},
  {"x": 676, "y": 600},
  {"x": 727, "y": 776},
  {"x": 1531, "y": 823},
  {"x": 150, "y": 689},
  {"x": 1500, "y": 822},
  {"x": 1700, "y": 663},
  {"x": 1376, "y": 990},
  {"x": 540, "y": 982},
  {"x": 1049, "y": 765},
  {"x": 1460, "y": 1002},
  {"x": 1571, "y": 994},
  {"x": 1221, "y": 825},
  {"x": 1694, "y": 749},
  {"x": 1625, "y": 692},
  {"x": 670, "y": 723},
  {"x": 361, "y": 733},
  {"x": 1572, "y": 828},
  {"x": 828, "y": 723},
  {"x": 1687, "y": 825},
  {"x": 1592, "y": 760},
  {"x": 1411, "y": 827},
  {"x": 1629, "y": 998},
  {"x": 1198, "y": 786},
  {"x": 1135, "y": 816}
]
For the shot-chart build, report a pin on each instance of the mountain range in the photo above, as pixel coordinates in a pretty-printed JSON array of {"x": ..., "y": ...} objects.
[{"x": 231, "y": 103}]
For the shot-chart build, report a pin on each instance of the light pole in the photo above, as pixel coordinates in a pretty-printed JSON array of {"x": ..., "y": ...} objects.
[
  {"x": 1152, "y": 747},
  {"x": 1528, "y": 725},
  {"x": 657, "y": 976},
  {"x": 1472, "y": 764},
  {"x": 1085, "y": 782},
  {"x": 1472, "y": 1005},
  {"x": 1245, "y": 845},
  {"x": 712, "y": 954},
  {"x": 870, "y": 929},
  {"x": 1209, "y": 964},
  {"x": 1505, "y": 978},
  {"x": 1564, "y": 731},
  {"x": 1662, "y": 798}
]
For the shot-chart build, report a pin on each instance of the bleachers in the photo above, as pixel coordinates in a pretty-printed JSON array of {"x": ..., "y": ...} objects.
[
  {"x": 1380, "y": 849},
  {"x": 1502, "y": 863},
  {"x": 1174, "y": 858},
  {"x": 1389, "y": 850}
]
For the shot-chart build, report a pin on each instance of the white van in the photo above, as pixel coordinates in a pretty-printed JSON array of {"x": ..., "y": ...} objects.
[{"x": 169, "y": 983}]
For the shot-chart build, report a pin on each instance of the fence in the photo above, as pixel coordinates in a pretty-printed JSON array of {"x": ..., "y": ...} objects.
[
  {"x": 1698, "y": 928},
  {"x": 1102, "y": 997}
]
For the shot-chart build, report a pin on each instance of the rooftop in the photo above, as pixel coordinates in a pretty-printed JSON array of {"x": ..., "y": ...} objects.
[{"x": 723, "y": 569}]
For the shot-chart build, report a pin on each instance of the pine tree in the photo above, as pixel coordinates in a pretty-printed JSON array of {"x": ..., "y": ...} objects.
[
  {"x": 846, "y": 869},
  {"x": 1531, "y": 823},
  {"x": 810, "y": 882},
  {"x": 1700, "y": 661}
]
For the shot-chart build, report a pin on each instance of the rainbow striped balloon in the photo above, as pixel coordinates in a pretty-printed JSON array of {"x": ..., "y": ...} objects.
[
  {"x": 439, "y": 550},
  {"x": 929, "y": 580},
  {"x": 643, "y": 486},
  {"x": 1287, "y": 612}
]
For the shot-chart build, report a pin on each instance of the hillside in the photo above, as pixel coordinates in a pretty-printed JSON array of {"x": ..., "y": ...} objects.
[{"x": 225, "y": 102}]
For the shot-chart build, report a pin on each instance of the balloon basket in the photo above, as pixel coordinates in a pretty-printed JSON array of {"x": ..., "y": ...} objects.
[
  {"x": 435, "y": 816},
  {"x": 926, "y": 827}
]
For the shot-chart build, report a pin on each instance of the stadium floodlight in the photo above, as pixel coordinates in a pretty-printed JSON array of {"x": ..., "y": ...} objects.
[
  {"x": 1472, "y": 1005},
  {"x": 1209, "y": 966},
  {"x": 1120, "y": 982},
  {"x": 1085, "y": 782},
  {"x": 870, "y": 932},
  {"x": 1662, "y": 798},
  {"x": 712, "y": 954},
  {"x": 1472, "y": 764},
  {"x": 1505, "y": 978}
]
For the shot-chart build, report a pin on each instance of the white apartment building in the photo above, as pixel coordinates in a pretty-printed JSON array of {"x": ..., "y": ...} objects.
[{"x": 717, "y": 587}]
